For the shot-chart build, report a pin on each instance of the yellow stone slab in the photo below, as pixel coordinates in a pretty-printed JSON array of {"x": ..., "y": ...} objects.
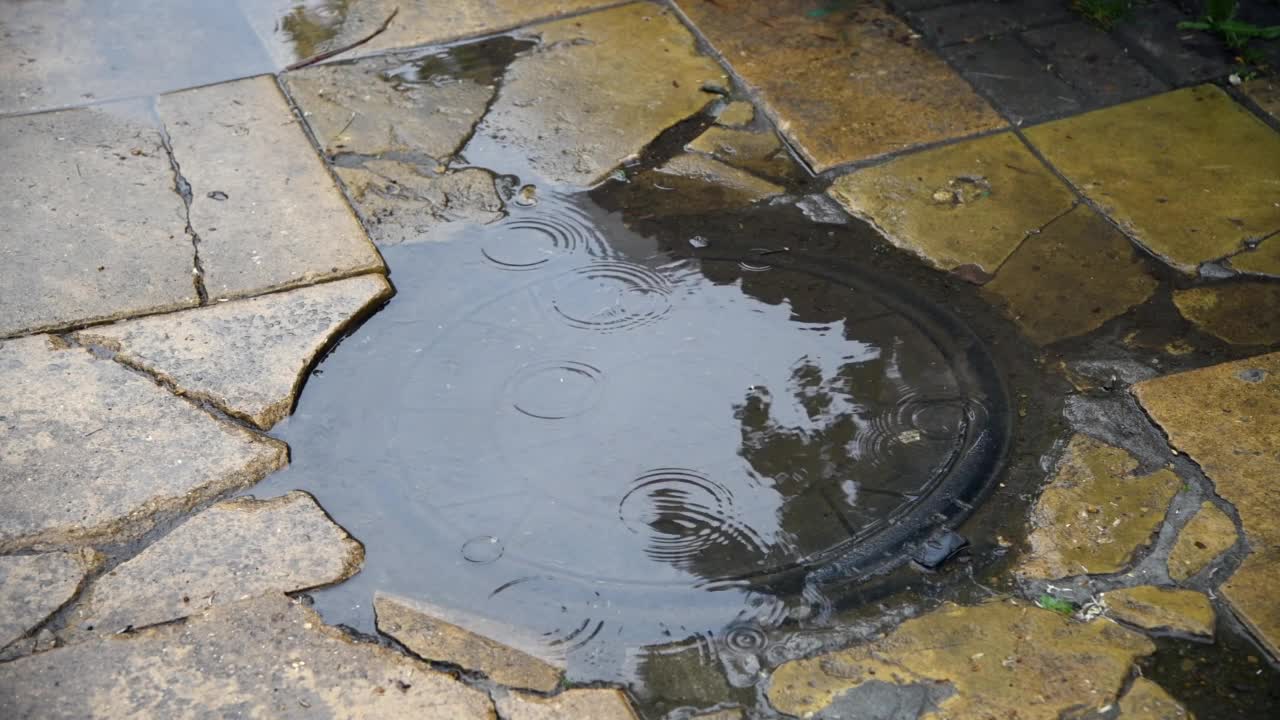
[
  {"x": 1159, "y": 608},
  {"x": 1095, "y": 514},
  {"x": 755, "y": 152},
  {"x": 1148, "y": 701},
  {"x": 1206, "y": 536},
  {"x": 599, "y": 89},
  {"x": 1190, "y": 174},
  {"x": 848, "y": 86},
  {"x": 1245, "y": 313},
  {"x": 1072, "y": 277},
  {"x": 1266, "y": 92},
  {"x": 970, "y": 203},
  {"x": 303, "y": 31},
  {"x": 737, "y": 114},
  {"x": 1227, "y": 418},
  {"x": 1264, "y": 260},
  {"x": 1002, "y": 659}
]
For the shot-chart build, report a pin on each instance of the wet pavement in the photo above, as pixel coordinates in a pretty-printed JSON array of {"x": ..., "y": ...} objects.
[{"x": 636, "y": 360}]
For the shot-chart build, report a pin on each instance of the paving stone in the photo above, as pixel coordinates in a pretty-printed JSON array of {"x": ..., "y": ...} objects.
[
  {"x": 1264, "y": 260},
  {"x": 264, "y": 657},
  {"x": 594, "y": 704},
  {"x": 1264, "y": 91},
  {"x": 1099, "y": 70},
  {"x": 452, "y": 636},
  {"x": 267, "y": 213},
  {"x": 1148, "y": 701},
  {"x": 761, "y": 153},
  {"x": 598, "y": 90},
  {"x": 385, "y": 105},
  {"x": 33, "y": 587},
  {"x": 737, "y": 114},
  {"x": 1227, "y": 418},
  {"x": 1072, "y": 277},
  {"x": 1184, "y": 56},
  {"x": 93, "y": 450},
  {"x": 294, "y": 31},
  {"x": 1206, "y": 536},
  {"x": 1094, "y": 515},
  {"x": 970, "y": 21},
  {"x": 844, "y": 87},
  {"x": 746, "y": 187},
  {"x": 1000, "y": 659},
  {"x": 1166, "y": 609},
  {"x": 694, "y": 183},
  {"x": 1164, "y": 187},
  {"x": 1018, "y": 82},
  {"x": 71, "y": 52},
  {"x": 247, "y": 357},
  {"x": 730, "y": 714},
  {"x": 234, "y": 549},
  {"x": 1246, "y": 313},
  {"x": 93, "y": 228},
  {"x": 400, "y": 204},
  {"x": 971, "y": 203}
]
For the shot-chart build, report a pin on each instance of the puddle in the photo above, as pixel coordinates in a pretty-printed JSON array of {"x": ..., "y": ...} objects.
[{"x": 571, "y": 425}]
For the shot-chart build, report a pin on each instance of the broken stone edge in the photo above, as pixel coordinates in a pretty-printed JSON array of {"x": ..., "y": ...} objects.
[
  {"x": 274, "y": 413},
  {"x": 90, "y": 561}
]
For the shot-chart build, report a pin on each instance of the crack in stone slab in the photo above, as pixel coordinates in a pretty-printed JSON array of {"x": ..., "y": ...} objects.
[{"x": 183, "y": 188}]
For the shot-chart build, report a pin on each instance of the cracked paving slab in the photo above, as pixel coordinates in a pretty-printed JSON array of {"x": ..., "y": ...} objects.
[
  {"x": 247, "y": 357},
  {"x": 93, "y": 229},
  {"x": 965, "y": 205},
  {"x": 761, "y": 153},
  {"x": 1241, "y": 313},
  {"x": 1095, "y": 514},
  {"x": 399, "y": 203},
  {"x": 393, "y": 104},
  {"x": 264, "y": 657},
  {"x": 847, "y": 86},
  {"x": 33, "y": 587},
  {"x": 1146, "y": 700},
  {"x": 236, "y": 548},
  {"x": 294, "y": 31},
  {"x": 94, "y": 451},
  {"x": 1165, "y": 188},
  {"x": 1070, "y": 278},
  {"x": 266, "y": 213},
  {"x": 999, "y": 659},
  {"x": 470, "y": 642},
  {"x": 1227, "y": 418},
  {"x": 598, "y": 89},
  {"x": 1162, "y": 609},
  {"x": 1208, "y": 534},
  {"x": 1263, "y": 260},
  {"x": 601, "y": 704}
]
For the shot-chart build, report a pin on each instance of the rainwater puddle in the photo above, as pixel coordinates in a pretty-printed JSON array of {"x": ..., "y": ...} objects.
[{"x": 615, "y": 439}]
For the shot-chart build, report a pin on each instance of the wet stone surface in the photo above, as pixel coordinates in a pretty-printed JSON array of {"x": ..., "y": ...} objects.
[
  {"x": 1239, "y": 313},
  {"x": 33, "y": 587},
  {"x": 867, "y": 89},
  {"x": 601, "y": 704},
  {"x": 234, "y": 549},
  {"x": 1225, "y": 417},
  {"x": 1149, "y": 607},
  {"x": 264, "y": 212},
  {"x": 114, "y": 448},
  {"x": 472, "y": 643},
  {"x": 222, "y": 662},
  {"x": 1157, "y": 186},
  {"x": 996, "y": 659},
  {"x": 1096, "y": 513},
  {"x": 94, "y": 229},
  {"x": 247, "y": 357},
  {"x": 1208, "y": 534},
  {"x": 965, "y": 205}
]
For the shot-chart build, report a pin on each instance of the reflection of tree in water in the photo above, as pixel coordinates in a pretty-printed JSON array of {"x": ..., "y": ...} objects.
[
  {"x": 834, "y": 449},
  {"x": 311, "y": 24}
]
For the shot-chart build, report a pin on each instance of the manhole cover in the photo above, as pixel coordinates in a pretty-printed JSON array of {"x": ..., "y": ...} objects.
[{"x": 619, "y": 445}]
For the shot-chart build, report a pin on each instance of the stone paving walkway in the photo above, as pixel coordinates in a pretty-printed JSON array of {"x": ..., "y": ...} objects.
[{"x": 173, "y": 266}]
